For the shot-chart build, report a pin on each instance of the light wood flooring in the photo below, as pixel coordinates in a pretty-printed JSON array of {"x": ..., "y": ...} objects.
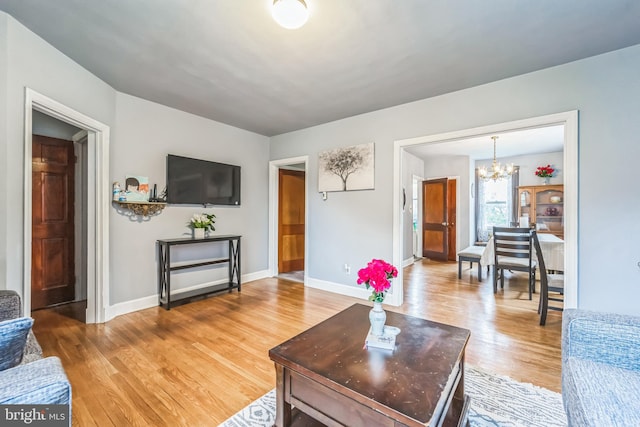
[{"x": 199, "y": 363}]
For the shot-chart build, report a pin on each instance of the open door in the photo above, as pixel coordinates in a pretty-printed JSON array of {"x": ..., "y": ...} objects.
[
  {"x": 291, "y": 214},
  {"x": 52, "y": 263},
  {"x": 438, "y": 223}
]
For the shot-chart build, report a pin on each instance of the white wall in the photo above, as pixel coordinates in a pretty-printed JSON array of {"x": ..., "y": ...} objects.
[
  {"x": 606, "y": 91},
  {"x": 528, "y": 165},
  {"x": 144, "y": 133}
]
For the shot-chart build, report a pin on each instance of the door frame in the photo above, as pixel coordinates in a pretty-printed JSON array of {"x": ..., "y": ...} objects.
[
  {"x": 569, "y": 119},
  {"x": 419, "y": 179},
  {"x": 98, "y": 198},
  {"x": 274, "y": 166}
]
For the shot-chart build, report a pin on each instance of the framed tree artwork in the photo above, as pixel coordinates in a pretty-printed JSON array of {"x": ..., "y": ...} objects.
[{"x": 346, "y": 168}]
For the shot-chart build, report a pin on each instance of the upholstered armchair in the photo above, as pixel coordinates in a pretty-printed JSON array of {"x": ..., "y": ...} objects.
[
  {"x": 601, "y": 368},
  {"x": 25, "y": 376}
]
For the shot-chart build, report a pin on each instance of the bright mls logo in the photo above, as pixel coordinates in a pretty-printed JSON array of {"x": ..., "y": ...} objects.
[{"x": 35, "y": 415}]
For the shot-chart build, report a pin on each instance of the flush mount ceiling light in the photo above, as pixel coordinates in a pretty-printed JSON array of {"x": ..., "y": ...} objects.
[
  {"x": 497, "y": 171},
  {"x": 290, "y": 14}
]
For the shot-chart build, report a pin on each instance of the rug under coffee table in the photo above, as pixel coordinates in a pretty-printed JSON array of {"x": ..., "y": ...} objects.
[{"x": 326, "y": 374}]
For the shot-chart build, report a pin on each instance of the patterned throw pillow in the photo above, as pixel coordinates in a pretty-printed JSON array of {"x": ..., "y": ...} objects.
[{"x": 13, "y": 337}]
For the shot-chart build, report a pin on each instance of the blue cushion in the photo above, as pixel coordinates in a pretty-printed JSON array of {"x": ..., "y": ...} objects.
[
  {"x": 598, "y": 394},
  {"x": 41, "y": 382},
  {"x": 13, "y": 337}
]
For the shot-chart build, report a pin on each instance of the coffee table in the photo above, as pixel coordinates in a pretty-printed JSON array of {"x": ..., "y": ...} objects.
[{"x": 330, "y": 379}]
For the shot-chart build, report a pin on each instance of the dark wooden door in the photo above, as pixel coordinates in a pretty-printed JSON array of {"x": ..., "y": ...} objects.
[
  {"x": 451, "y": 219},
  {"x": 291, "y": 220},
  {"x": 435, "y": 230},
  {"x": 52, "y": 242}
]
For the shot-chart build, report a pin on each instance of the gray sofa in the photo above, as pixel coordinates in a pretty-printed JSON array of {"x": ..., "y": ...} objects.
[
  {"x": 36, "y": 380},
  {"x": 601, "y": 369}
]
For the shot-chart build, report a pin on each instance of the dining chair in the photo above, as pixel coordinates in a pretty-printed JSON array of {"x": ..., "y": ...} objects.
[
  {"x": 513, "y": 252},
  {"x": 548, "y": 283}
]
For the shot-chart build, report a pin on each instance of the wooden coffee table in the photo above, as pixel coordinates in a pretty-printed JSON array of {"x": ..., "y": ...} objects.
[{"x": 330, "y": 379}]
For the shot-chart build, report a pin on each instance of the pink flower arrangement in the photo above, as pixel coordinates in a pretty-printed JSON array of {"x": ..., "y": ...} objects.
[
  {"x": 376, "y": 275},
  {"x": 545, "y": 171}
]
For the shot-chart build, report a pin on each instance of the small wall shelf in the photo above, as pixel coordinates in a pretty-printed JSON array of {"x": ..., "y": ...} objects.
[{"x": 142, "y": 208}]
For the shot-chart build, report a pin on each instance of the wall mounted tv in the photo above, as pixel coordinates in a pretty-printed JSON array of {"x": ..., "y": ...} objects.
[{"x": 201, "y": 182}]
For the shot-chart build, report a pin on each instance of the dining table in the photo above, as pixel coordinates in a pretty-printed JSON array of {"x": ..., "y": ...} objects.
[{"x": 552, "y": 250}]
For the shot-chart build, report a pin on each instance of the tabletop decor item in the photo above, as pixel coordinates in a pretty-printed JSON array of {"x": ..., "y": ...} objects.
[
  {"x": 545, "y": 172},
  {"x": 376, "y": 275},
  {"x": 200, "y": 223}
]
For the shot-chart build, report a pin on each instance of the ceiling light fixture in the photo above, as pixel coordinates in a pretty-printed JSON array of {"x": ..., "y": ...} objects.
[
  {"x": 290, "y": 14},
  {"x": 497, "y": 171}
]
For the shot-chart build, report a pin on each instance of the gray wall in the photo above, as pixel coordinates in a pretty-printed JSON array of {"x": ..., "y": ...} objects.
[
  {"x": 66, "y": 82},
  {"x": 4, "y": 141},
  {"x": 142, "y": 133},
  {"x": 353, "y": 227},
  {"x": 48, "y": 126},
  {"x": 606, "y": 91}
]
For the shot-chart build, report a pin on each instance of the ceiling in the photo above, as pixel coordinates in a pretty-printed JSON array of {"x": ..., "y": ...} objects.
[
  {"x": 517, "y": 143},
  {"x": 230, "y": 62}
]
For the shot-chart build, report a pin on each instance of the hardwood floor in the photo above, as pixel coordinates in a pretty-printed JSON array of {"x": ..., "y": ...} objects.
[{"x": 201, "y": 362}]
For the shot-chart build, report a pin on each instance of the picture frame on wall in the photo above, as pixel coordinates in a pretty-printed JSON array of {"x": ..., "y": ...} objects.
[
  {"x": 137, "y": 188},
  {"x": 347, "y": 168}
]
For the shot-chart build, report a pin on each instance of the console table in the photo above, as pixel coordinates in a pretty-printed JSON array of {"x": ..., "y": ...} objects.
[{"x": 165, "y": 268}]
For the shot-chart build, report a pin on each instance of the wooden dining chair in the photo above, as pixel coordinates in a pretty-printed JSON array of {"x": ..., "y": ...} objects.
[
  {"x": 548, "y": 283},
  {"x": 513, "y": 251}
]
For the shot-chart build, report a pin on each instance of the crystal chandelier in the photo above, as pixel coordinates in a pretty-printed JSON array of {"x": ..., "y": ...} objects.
[{"x": 497, "y": 171}]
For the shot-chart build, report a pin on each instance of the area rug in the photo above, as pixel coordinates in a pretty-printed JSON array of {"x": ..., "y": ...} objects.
[{"x": 495, "y": 401}]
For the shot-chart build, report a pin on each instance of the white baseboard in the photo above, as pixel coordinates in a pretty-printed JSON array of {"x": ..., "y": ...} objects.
[
  {"x": 131, "y": 306},
  {"x": 337, "y": 288},
  {"x": 152, "y": 300},
  {"x": 250, "y": 277},
  {"x": 352, "y": 291},
  {"x": 407, "y": 262}
]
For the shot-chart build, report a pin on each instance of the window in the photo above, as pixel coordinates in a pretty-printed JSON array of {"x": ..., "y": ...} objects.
[{"x": 495, "y": 204}]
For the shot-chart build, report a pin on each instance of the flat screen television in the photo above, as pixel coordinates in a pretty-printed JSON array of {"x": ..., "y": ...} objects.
[{"x": 201, "y": 182}]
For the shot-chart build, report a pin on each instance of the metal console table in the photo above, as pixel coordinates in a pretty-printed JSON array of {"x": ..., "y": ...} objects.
[{"x": 165, "y": 268}]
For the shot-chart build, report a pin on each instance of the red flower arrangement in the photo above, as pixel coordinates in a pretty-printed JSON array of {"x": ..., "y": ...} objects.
[
  {"x": 376, "y": 275},
  {"x": 545, "y": 171}
]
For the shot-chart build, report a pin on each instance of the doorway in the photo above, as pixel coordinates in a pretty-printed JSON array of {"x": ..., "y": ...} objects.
[
  {"x": 569, "y": 122},
  {"x": 288, "y": 218},
  {"x": 98, "y": 196},
  {"x": 291, "y": 222}
]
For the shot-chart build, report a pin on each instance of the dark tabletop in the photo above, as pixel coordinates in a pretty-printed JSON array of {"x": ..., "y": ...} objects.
[{"x": 408, "y": 380}]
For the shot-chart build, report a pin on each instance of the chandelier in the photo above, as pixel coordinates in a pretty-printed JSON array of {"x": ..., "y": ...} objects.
[{"x": 497, "y": 171}]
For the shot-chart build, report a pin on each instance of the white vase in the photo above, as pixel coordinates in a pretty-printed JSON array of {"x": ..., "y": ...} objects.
[
  {"x": 198, "y": 233},
  {"x": 377, "y": 317}
]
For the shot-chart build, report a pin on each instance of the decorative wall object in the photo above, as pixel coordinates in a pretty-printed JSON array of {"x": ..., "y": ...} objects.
[
  {"x": 346, "y": 169},
  {"x": 137, "y": 188}
]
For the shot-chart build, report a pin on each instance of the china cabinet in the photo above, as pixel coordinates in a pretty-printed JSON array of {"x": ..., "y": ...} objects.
[{"x": 544, "y": 207}]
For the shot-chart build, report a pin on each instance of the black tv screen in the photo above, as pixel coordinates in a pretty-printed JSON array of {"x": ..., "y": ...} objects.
[{"x": 201, "y": 182}]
